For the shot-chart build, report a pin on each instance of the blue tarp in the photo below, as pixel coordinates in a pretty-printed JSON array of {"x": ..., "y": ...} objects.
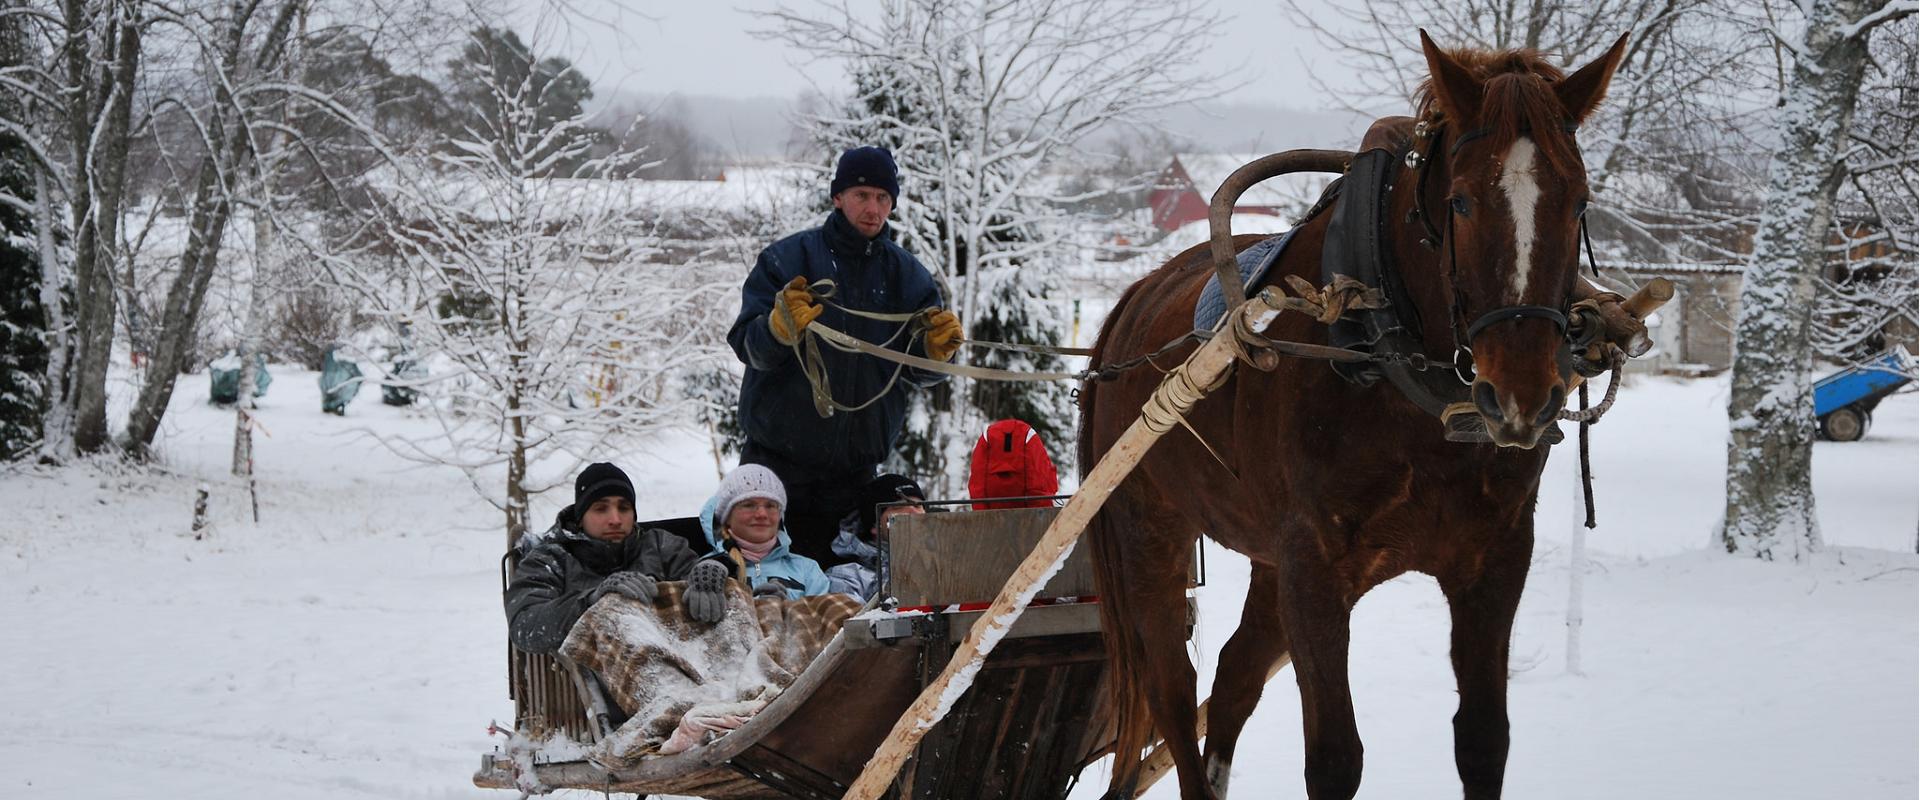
[
  {"x": 223, "y": 375},
  {"x": 339, "y": 382}
]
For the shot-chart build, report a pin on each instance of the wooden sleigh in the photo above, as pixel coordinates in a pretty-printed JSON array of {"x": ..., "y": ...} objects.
[{"x": 1038, "y": 711}]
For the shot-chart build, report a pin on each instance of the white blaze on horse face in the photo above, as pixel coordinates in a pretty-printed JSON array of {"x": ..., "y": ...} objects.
[{"x": 1522, "y": 185}]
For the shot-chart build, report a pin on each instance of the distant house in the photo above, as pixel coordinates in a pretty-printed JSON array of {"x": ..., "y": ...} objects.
[
  {"x": 1184, "y": 189},
  {"x": 1693, "y": 333}
]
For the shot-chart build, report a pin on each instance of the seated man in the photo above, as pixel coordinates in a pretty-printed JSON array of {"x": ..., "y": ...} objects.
[
  {"x": 592, "y": 550},
  {"x": 860, "y": 534},
  {"x": 742, "y": 520}
]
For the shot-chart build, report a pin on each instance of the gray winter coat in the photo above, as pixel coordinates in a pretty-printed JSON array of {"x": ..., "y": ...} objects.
[{"x": 558, "y": 568}]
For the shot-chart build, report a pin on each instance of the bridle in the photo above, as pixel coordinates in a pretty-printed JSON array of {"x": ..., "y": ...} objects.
[{"x": 1422, "y": 163}]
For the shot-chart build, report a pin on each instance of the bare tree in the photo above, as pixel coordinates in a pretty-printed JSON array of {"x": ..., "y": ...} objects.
[
  {"x": 1770, "y": 503},
  {"x": 549, "y": 335},
  {"x": 1869, "y": 285},
  {"x": 168, "y": 105},
  {"x": 979, "y": 100},
  {"x": 243, "y": 50}
]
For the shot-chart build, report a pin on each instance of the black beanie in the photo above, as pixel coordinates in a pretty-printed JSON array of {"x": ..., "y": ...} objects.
[
  {"x": 600, "y": 480},
  {"x": 867, "y": 166},
  {"x": 888, "y": 488}
]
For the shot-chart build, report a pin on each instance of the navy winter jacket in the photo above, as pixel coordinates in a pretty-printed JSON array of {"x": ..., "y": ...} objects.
[{"x": 776, "y": 404}]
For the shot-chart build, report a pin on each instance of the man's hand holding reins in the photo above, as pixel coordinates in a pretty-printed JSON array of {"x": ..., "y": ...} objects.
[
  {"x": 943, "y": 333},
  {"x": 792, "y": 311}
]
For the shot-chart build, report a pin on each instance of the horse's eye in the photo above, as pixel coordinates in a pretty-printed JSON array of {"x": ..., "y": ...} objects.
[
  {"x": 1580, "y": 208},
  {"x": 1459, "y": 203}
]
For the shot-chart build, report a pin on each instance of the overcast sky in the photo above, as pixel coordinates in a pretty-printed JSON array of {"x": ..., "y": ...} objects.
[{"x": 644, "y": 46}]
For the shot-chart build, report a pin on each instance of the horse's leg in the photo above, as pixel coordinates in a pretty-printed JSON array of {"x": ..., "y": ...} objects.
[
  {"x": 1242, "y": 673},
  {"x": 1317, "y": 620},
  {"x": 1482, "y": 607}
]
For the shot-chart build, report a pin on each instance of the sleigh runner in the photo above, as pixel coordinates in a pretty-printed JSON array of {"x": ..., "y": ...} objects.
[{"x": 1038, "y": 711}]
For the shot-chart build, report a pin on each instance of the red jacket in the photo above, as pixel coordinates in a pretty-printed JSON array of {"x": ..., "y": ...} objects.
[{"x": 1011, "y": 461}]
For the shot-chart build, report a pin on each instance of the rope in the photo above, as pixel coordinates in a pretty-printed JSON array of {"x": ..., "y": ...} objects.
[
  {"x": 847, "y": 343},
  {"x": 1040, "y": 349},
  {"x": 1174, "y": 398},
  {"x": 1592, "y": 415}
]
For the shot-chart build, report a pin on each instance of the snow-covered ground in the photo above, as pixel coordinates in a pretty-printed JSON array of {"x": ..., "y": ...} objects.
[{"x": 351, "y": 643}]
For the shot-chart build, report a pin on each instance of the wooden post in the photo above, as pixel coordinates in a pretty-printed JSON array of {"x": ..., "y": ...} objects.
[
  {"x": 200, "y": 512},
  {"x": 1576, "y": 574},
  {"x": 1203, "y": 372}
]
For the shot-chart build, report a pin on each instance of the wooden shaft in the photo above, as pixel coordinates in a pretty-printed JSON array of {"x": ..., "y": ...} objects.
[
  {"x": 1160, "y": 761},
  {"x": 1650, "y": 297},
  {"x": 1204, "y": 368}
]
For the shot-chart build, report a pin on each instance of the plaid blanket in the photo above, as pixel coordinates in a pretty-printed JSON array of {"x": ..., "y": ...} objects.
[{"x": 658, "y": 665}]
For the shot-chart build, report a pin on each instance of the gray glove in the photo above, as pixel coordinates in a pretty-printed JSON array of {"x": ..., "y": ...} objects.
[
  {"x": 631, "y": 585},
  {"x": 776, "y": 588},
  {"x": 706, "y": 596}
]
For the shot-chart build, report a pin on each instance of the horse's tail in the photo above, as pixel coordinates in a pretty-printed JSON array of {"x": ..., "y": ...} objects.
[{"x": 1133, "y": 723}]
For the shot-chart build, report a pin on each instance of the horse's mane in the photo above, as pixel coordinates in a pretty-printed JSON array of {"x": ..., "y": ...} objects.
[{"x": 1518, "y": 100}]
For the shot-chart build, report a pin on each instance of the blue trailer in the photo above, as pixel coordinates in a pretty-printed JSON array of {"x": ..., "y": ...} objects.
[{"x": 1843, "y": 402}]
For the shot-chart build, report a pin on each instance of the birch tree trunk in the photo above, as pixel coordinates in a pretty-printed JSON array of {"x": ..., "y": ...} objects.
[
  {"x": 1770, "y": 503},
  {"x": 251, "y": 333},
  {"x": 56, "y": 437}
]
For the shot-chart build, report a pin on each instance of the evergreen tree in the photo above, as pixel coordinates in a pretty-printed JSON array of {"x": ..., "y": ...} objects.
[
  {"x": 993, "y": 262},
  {"x": 495, "y": 70},
  {"x": 23, "y": 320}
]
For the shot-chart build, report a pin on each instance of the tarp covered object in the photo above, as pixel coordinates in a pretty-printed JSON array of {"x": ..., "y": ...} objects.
[
  {"x": 339, "y": 382},
  {"x": 405, "y": 369},
  {"x": 224, "y": 375},
  {"x": 658, "y": 665}
]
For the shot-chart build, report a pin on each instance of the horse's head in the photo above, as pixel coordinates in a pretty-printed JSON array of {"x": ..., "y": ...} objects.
[{"x": 1515, "y": 190}]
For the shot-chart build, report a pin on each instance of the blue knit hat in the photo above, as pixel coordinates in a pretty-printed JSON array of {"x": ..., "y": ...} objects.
[{"x": 867, "y": 166}]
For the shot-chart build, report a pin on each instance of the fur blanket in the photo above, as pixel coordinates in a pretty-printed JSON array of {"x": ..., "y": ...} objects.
[{"x": 659, "y": 666}]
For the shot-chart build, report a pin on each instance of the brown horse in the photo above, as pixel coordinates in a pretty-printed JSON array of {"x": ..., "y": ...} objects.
[{"x": 1331, "y": 487}]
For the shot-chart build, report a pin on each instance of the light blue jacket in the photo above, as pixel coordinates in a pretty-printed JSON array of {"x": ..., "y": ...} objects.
[
  {"x": 859, "y": 577},
  {"x": 781, "y": 563}
]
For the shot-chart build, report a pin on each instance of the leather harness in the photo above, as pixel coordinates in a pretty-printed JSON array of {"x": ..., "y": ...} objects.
[{"x": 1357, "y": 246}]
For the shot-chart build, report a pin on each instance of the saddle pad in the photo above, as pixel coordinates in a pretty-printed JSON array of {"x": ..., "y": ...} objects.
[{"x": 1253, "y": 263}]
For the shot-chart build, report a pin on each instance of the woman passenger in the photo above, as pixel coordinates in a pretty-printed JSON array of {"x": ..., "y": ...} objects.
[{"x": 743, "y": 520}]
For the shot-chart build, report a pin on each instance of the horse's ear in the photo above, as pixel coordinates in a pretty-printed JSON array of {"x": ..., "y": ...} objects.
[
  {"x": 1459, "y": 93},
  {"x": 1582, "y": 91}
]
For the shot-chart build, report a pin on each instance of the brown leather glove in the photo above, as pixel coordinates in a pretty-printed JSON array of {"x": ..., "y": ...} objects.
[
  {"x": 792, "y": 311},
  {"x": 943, "y": 333}
]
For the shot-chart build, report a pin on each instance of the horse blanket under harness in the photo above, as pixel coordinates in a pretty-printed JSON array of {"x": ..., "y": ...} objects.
[
  {"x": 669, "y": 673},
  {"x": 1253, "y": 263}
]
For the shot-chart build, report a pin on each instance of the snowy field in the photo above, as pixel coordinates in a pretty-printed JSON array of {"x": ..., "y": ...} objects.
[{"x": 351, "y": 644}]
